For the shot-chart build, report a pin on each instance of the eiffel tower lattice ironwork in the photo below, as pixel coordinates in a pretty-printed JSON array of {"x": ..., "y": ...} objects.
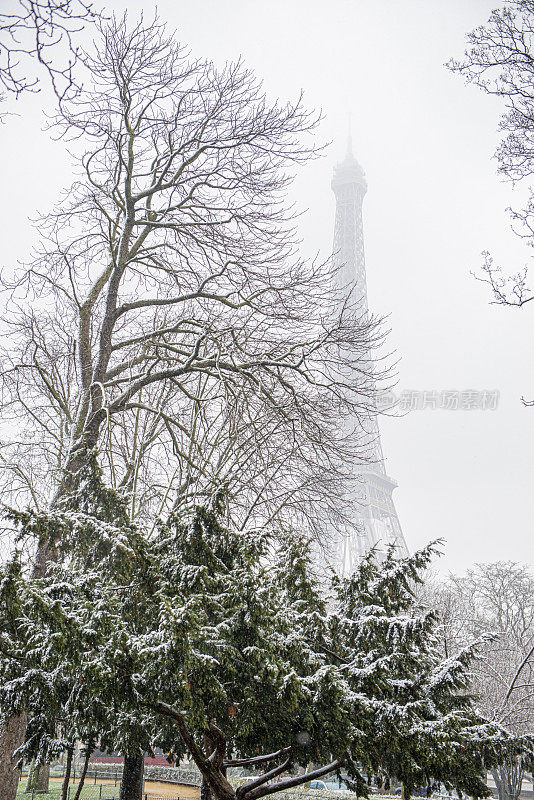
[{"x": 371, "y": 506}]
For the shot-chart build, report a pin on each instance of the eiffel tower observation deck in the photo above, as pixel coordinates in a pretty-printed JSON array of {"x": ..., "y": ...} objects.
[{"x": 371, "y": 508}]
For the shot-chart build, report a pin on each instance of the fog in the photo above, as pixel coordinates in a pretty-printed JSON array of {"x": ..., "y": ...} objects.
[{"x": 434, "y": 202}]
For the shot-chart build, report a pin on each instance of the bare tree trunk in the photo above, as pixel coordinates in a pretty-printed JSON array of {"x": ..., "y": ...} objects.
[
  {"x": 88, "y": 752},
  {"x": 205, "y": 791},
  {"x": 12, "y": 733},
  {"x": 501, "y": 789},
  {"x": 30, "y": 783},
  {"x": 68, "y": 767},
  {"x": 132, "y": 778},
  {"x": 38, "y": 778},
  {"x": 509, "y": 779},
  {"x": 43, "y": 778}
]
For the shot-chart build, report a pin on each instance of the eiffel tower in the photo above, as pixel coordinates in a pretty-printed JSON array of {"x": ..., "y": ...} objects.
[{"x": 375, "y": 520}]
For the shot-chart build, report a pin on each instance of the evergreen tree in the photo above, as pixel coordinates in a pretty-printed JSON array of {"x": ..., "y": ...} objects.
[{"x": 215, "y": 643}]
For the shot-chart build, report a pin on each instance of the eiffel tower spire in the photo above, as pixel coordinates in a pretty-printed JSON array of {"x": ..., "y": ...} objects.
[{"x": 376, "y": 523}]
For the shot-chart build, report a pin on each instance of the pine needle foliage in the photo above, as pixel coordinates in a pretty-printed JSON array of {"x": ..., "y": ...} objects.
[{"x": 222, "y": 645}]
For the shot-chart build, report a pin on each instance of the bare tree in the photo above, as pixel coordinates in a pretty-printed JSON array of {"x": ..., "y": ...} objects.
[
  {"x": 495, "y": 599},
  {"x": 167, "y": 325},
  {"x": 44, "y": 32},
  {"x": 500, "y": 61},
  {"x": 171, "y": 273}
]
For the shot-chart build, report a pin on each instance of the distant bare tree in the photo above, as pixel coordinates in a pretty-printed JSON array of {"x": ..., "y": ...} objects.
[
  {"x": 455, "y": 614},
  {"x": 497, "y": 599},
  {"x": 166, "y": 324}
]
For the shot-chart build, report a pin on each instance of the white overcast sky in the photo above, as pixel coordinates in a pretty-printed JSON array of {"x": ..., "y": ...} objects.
[{"x": 435, "y": 201}]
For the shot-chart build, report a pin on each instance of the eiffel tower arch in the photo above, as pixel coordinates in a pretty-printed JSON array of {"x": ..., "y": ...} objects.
[{"x": 370, "y": 506}]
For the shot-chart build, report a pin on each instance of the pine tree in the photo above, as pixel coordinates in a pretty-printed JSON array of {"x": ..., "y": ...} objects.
[{"x": 214, "y": 642}]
